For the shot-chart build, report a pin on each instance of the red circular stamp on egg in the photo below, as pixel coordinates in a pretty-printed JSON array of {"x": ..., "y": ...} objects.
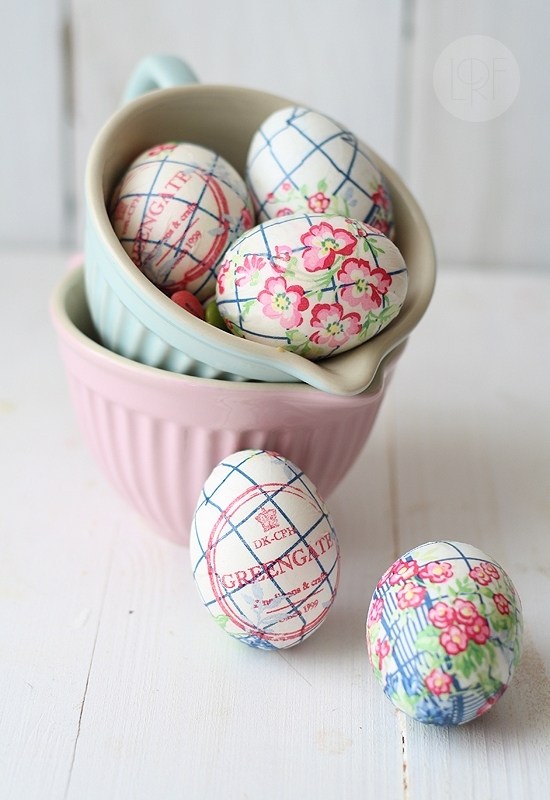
[
  {"x": 220, "y": 241},
  {"x": 282, "y": 582},
  {"x": 177, "y": 246}
]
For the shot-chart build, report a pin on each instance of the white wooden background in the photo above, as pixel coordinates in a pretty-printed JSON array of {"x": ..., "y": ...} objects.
[
  {"x": 116, "y": 684},
  {"x": 35, "y": 148},
  {"x": 483, "y": 186}
]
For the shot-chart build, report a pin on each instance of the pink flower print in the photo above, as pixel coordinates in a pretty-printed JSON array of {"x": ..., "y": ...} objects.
[
  {"x": 382, "y": 226},
  {"x": 222, "y": 274},
  {"x": 491, "y": 570},
  {"x": 363, "y": 286},
  {"x": 466, "y": 611},
  {"x": 502, "y": 604},
  {"x": 363, "y": 229},
  {"x": 380, "y": 198},
  {"x": 246, "y": 270},
  {"x": 370, "y": 228},
  {"x": 318, "y": 202},
  {"x": 492, "y": 700},
  {"x": 484, "y": 573},
  {"x": 284, "y": 212},
  {"x": 441, "y": 615},
  {"x": 478, "y": 630},
  {"x": 283, "y": 252},
  {"x": 283, "y": 302},
  {"x": 411, "y": 595},
  {"x": 247, "y": 219},
  {"x": 335, "y": 327},
  {"x": 436, "y": 571},
  {"x": 438, "y": 682},
  {"x": 287, "y": 186},
  {"x": 270, "y": 197},
  {"x": 382, "y": 649},
  {"x": 403, "y": 570},
  {"x": 385, "y": 576},
  {"x": 323, "y": 243},
  {"x": 376, "y": 610},
  {"x": 454, "y": 640}
]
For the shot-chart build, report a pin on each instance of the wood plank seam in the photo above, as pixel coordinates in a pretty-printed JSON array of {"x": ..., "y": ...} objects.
[{"x": 98, "y": 627}]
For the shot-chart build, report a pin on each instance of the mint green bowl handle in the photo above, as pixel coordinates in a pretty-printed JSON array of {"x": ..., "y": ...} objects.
[{"x": 157, "y": 72}]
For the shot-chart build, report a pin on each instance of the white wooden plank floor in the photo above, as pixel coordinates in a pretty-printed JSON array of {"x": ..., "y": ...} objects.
[{"x": 115, "y": 684}]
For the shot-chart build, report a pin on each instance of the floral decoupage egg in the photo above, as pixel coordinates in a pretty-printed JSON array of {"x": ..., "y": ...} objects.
[
  {"x": 302, "y": 161},
  {"x": 311, "y": 284},
  {"x": 263, "y": 550},
  {"x": 444, "y": 632},
  {"x": 176, "y": 210}
]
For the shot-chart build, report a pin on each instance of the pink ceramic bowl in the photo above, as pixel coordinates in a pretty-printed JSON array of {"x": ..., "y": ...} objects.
[{"x": 157, "y": 435}]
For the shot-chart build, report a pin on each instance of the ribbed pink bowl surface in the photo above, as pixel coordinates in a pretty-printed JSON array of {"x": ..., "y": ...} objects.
[{"x": 157, "y": 435}]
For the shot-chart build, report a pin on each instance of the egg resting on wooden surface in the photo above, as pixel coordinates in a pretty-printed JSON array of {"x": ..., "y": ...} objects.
[
  {"x": 264, "y": 551},
  {"x": 302, "y": 161},
  {"x": 311, "y": 284},
  {"x": 175, "y": 211},
  {"x": 444, "y": 632}
]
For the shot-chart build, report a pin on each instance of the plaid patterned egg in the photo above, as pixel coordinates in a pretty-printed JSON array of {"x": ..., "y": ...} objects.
[
  {"x": 444, "y": 632},
  {"x": 264, "y": 551},
  {"x": 312, "y": 284},
  {"x": 175, "y": 211},
  {"x": 302, "y": 161}
]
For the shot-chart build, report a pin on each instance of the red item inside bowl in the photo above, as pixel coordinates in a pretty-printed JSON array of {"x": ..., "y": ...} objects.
[{"x": 189, "y": 302}]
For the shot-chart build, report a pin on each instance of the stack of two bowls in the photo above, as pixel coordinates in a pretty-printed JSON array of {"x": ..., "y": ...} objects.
[{"x": 162, "y": 396}]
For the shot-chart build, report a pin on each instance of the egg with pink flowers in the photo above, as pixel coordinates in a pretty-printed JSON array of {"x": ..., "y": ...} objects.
[
  {"x": 444, "y": 632},
  {"x": 313, "y": 284}
]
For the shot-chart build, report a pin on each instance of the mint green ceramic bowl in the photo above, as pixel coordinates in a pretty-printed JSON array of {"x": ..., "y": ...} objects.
[{"x": 136, "y": 320}]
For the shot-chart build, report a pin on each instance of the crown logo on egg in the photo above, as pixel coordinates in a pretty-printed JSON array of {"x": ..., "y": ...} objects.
[{"x": 268, "y": 519}]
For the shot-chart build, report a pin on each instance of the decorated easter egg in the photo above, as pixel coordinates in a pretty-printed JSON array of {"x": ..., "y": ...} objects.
[
  {"x": 301, "y": 161},
  {"x": 311, "y": 284},
  {"x": 264, "y": 551},
  {"x": 175, "y": 211},
  {"x": 444, "y": 632}
]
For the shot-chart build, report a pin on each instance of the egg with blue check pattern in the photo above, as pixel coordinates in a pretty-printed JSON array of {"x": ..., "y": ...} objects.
[
  {"x": 302, "y": 161},
  {"x": 263, "y": 550},
  {"x": 175, "y": 211}
]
